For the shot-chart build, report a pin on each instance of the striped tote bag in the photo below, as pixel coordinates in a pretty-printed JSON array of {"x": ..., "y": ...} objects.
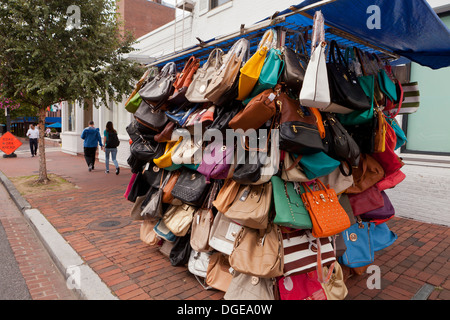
[
  {"x": 300, "y": 252},
  {"x": 411, "y": 99}
]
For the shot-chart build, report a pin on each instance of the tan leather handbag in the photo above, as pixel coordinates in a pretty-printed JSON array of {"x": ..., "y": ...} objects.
[
  {"x": 147, "y": 234},
  {"x": 218, "y": 273},
  {"x": 178, "y": 219},
  {"x": 291, "y": 170},
  {"x": 258, "y": 252},
  {"x": 167, "y": 190},
  {"x": 251, "y": 207},
  {"x": 226, "y": 195},
  {"x": 335, "y": 288},
  {"x": 337, "y": 181},
  {"x": 368, "y": 173},
  {"x": 248, "y": 287}
]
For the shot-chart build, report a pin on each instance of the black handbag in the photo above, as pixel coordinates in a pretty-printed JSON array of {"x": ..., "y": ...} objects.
[
  {"x": 294, "y": 66},
  {"x": 161, "y": 87},
  {"x": 225, "y": 114},
  {"x": 146, "y": 150},
  {"x": 364, "y": 135},
  {"x": 344, "y": 86},
  {"x": 248, "y": 170},
  {"x": 343, "y": 145},
  {"x": 135, "y": 164},
  {"x": 135, "y": 129},
  {"x": 154, "y": 120},
  {"x": 191, "y": 187},
  {"x": 139, "y": 188},
  {"x": 181, "y": 251}
]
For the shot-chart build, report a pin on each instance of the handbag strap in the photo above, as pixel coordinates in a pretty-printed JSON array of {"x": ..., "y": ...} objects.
[
  {"x": 400, "y": 103},
  {"x": 318, "y": 33},
  {"x": 216, "y": 56},
  {"x": 320, "y": 275}
]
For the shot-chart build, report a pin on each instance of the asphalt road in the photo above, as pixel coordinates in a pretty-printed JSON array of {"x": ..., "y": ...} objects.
[{"x": 12, "y": 283}]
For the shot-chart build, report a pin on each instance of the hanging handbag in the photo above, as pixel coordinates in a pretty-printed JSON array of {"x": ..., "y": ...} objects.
[
  {"x": 226, "y": 76},
  {"x": 218, "y": 274},
  {"x": 359, "y": 241},
  {"x": 289, "y": 208},
  {"x": 291, "y": 170},
  {"x": 368, "y": 173},
  {"x": 411, "y": 100},
  {"x": 335, "y": 289},
  {"x": 183, "y": 81},
  {"x": 252, "y": 205},
  {"x": 364, "y": 134},
  {"x": 146, "y": 150},
  {"x": 181, "y": 114},
  {"x": 166, "y": 134},
  {"x": 400, "y": 134},
  {"x": 223, "y": 234},
  {"x": 345, "y": 92},
  {"x": 152, "y": 206},
  {"x": 134, "y": 100},
  {"x": 294, "y": 65},
  {"x": 147, "y": 234},
  {"x": 166, "y": 159},
  {"x": 327, "y": 215},
  {"x": 338, "y": 181},
  {"x": 216, "y": 161},
  {"x": 303, "y": 286},
  {"x": 202, "y": 223},
  {"x": 366, "y": 201},
  {"x": 224, "y": 115},
  {"x": 226, "y": 195},
  {"x": 248, "y": 171},
  {"x": 191, "y": 187},
  {"x": 251, "y": 70},
  {"x": 188, "y": 151},
  {"x": 163, "y": 232},
  {"x": 391, "y": 180},
  {"x": 247, "y": 287},
  {"x": 301, "y": 253},
  {"x": 317, "y": 165},
  {"x": 196, "y": 91},
  {"x": 386, "y": 211},
  {"x": 181, "y": 251},
  {"x": 168, "y": 187},
  {"x": 155, "y": 120},
  {"x": 382, "y": 237},
  {"x": 178, "y": 219},
  {"x": 380, "y": 132},
  {"x": 161, "y": 87},
  {"x": 198, "y": 266},
  {"x": 315, "y": 92},
  {"x": 299, "y": 127},
  {"x": 258, "y": 252}
]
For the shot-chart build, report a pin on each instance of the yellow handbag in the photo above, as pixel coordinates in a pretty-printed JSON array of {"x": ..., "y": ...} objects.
[
  {"x": 165, "y": 160},
  {"x": 252, "y": 68}
]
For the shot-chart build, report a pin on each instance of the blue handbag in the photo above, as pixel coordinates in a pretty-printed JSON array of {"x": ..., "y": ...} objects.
[
  {"x": 317, "y": 164},
  {"x": 270, "y": 73},
  {"x": 401, "y": 136},
  {"x": 180, "y": 116},
  {"x": 163, "y": 232},
  {"x": 382, "y": 237},
  {"x": 359, "y": 242}
]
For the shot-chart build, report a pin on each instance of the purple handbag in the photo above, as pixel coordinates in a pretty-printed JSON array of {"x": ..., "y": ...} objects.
[
  {"x": 385, "y": 212},
  {"x": 216, "y": 161}
]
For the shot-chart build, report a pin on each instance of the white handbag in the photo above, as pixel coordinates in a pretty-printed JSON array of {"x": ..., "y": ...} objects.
[
  {"x": 198, "y": 266},
  {"x": 315, "y": 92},
  {"x": 223, "y": 233}
]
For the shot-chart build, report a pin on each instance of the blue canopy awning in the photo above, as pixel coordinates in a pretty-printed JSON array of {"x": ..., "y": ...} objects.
[
  {"x": 54, "y": 125},
  {"x": 409, "y": 28}
]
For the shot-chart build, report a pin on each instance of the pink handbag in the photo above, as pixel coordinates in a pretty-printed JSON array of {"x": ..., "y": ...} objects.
[
  {"x": 303, "y": 286},
  {"x": 391, "y": 180}
]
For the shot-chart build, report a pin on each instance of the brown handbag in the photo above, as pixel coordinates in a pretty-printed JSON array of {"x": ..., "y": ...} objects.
[
  {"x": 226, "y": 195},
  {"x": 183, "y": 80},
  {"x": 257, "y": 112},
  {"x": 218, "y": 275},
  {"x": 258, "y": 252},
  {"x": 252, "y": 205},
  {"x": 368, "y": 173},
  {"x": 167, "y": 190},
  {"x": 166, "y": 134},
  {"x": 147, "y": 233}
]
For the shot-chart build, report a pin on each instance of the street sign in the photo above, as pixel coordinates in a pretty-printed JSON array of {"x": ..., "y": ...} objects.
[{"x": 9, "y": 143}]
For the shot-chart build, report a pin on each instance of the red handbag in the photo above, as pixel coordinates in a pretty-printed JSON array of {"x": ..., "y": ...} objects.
[
  {"x": 303, "y": 286},
  {"x": 366, "y": 201},
  {"x": 391, "y": 180}
]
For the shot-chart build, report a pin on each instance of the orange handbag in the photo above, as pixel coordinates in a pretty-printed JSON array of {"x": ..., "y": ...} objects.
[{"x": 327, "y": 215}]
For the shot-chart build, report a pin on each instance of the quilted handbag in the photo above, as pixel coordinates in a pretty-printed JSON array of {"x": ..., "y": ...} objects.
[
  {"x": 196, "y": 91},
  {"x": 178, "y": 219},
  {"x": 289, "y": 208},
  {"x": 303, "y": 286},
  {"x": 360, "y": 246},
  {"x": 301, "y": 252},
  {"x": 258, "y": 252},
  {"x": 251, "y": 206},
  {"x": 191, "y": 187},
  {"x": 327, "y": 215},
  {"x": 223, "y": 234},
  {"x": 248, "y": 287}
]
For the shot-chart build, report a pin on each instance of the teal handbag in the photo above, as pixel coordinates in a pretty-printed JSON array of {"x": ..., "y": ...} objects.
[
  {"x": 317, "y": 165},
  {"x": 401, "y": 136},
  {"x": 270, "y": 73},
  {"x": 387, "y": 86},
  {"x": 289, "y": 208}
]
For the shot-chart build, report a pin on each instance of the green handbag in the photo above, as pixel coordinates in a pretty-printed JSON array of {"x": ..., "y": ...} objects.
[
  {"x": 289, "y": 208},
  {"x": 134, "y": 103},
  {"x": 270, "y": 73}
]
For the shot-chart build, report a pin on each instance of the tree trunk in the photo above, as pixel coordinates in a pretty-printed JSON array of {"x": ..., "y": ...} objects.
[{"x": 43, "y": 178}]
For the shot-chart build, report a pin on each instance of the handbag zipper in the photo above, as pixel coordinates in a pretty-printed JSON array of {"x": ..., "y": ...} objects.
[{"x": 294, "y": 128}]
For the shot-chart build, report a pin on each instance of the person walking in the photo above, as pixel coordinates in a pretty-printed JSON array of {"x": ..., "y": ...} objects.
[
  {"x": 33, "y": 135},
  {"x": 92, "y": 139},
  {"x": 111, "y": 142}
]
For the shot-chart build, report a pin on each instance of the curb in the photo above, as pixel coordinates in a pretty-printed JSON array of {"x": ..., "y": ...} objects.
[{"x": 80, "y": 278}]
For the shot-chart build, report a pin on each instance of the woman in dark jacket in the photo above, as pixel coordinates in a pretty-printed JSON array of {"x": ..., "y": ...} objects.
[{"x": 111, "y": 142}]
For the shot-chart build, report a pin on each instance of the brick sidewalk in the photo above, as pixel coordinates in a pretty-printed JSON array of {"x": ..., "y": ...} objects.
[{"x": 133, "y": 270}]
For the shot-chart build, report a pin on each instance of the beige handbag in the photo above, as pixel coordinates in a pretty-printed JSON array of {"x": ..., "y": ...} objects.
[
  {"x": 337, "y": 181},
  {"x": 226, "y": 195},
  {"x": 335, "y": 288},
  {"x": 247, "y": 287},
  {"x": 292, "y": 171},
  {"x": 178, "y": 219},
  {"x": 166, "y": 247},
  {"x": 251, "y": 206},
  {"x": 197, "y": 89},
  {"x": 259, "y": 252},
  {"x": 147, "y": 234},
  {"x": 223, "y": 234},
  {"x": 136, "y": 209},
  {"x": 218, "y": 274}
]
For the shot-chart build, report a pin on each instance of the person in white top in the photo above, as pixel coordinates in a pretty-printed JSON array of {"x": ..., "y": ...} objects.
[{"x": 33, "y": 135}]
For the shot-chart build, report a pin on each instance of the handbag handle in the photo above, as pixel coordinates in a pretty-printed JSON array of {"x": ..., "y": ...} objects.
[
  {"x": 318, "y": 34},
  {"x": 216, "y": 54},
  {"x": 400, "y": 103}
]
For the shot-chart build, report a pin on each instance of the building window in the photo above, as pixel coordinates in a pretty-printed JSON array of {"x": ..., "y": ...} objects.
[
  {"x": 215, "y": 3},
  {"x": 71, "y": 116}
]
